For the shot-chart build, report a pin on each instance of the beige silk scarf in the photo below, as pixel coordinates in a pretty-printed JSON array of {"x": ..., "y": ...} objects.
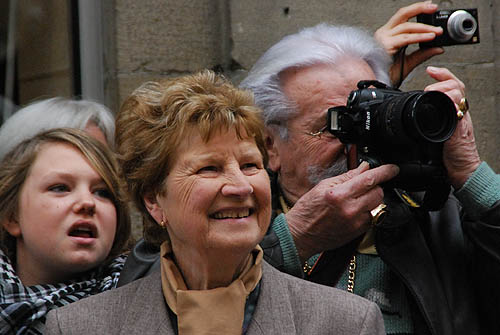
[{"x": 215, "y": 311}]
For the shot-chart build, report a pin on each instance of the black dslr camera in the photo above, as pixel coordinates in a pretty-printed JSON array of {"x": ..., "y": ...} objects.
[
  {"x": 403, "y": 128},
  {"x": 460, "y": 26}
]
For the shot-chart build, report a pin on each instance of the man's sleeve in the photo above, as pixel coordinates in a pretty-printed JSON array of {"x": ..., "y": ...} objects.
[
  {"x": 480, "y": 198},
  {"x": 279, "y": 248},
  {"x": 480, "y": 192}
]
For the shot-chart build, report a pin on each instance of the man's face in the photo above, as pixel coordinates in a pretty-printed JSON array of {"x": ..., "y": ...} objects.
[{"x": 302, "y": 159}]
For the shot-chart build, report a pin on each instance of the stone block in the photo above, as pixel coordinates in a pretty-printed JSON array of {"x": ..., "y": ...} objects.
[
  {"x": 47, "y": 86},
  {"x": 43, "y": 38},
  {"x": 167, "y": 36},
  {"x": 127, "y": 83},
  {"x": 256, "y": 25}
]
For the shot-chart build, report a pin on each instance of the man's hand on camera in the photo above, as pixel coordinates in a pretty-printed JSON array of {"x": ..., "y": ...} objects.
[
  {"x": 337, "y": 210},
  {"x": 460, "y": 154},
  {"x": 398, "y": 33}
]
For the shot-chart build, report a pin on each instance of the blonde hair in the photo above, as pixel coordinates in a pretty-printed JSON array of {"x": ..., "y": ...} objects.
[
  {"x": 17, "y": 164},
  {"x": 156, "y": 117}
]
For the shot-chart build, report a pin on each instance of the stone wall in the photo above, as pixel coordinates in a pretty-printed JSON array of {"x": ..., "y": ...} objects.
[
  {"x": 44, "y": 64},
  {"x": 162, "y": 38}
]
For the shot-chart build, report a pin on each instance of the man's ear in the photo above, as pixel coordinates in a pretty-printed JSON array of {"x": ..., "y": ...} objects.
[
  {"x": 153, "y": 207},
  {"x": 12, "y": 227},
  {"x": 271, "y": 146}
]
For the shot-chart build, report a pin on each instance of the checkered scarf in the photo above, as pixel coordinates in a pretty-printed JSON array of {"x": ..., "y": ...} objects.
[{"x": 23, "y": 309}]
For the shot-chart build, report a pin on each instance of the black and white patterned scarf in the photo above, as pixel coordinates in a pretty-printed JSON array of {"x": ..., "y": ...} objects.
[{"x": 23, "y": 309}]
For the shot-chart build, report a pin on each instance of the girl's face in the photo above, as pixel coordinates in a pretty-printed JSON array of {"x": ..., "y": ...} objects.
[{"x": 66, "y": 220}]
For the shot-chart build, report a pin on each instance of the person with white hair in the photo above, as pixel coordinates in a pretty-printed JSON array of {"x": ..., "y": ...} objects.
[
  {"x": 193, "y": 155},
  {"x": 57, "y": 112},
  {"x": 430, "y": 272}
]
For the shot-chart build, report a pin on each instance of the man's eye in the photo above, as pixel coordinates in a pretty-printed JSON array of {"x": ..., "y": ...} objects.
[
  {"x": 103, "y": 193},
  {"x": 59, "y": 188}
]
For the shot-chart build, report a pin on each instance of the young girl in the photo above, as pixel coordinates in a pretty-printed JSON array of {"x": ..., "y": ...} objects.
[{"x": 64, "y": 222}]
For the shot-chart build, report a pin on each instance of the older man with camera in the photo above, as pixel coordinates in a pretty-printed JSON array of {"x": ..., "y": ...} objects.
[{"x": 430, "y": 258}]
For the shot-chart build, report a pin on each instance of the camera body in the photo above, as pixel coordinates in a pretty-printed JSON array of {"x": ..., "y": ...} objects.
[
  {"x": 403, "y": 128},
  {"x": 460, "y": 26}
]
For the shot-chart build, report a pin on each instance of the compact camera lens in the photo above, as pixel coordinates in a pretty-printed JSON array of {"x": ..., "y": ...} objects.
[
  {"x": 461, "y": 26},
  {"x": 468, "y": 25}
]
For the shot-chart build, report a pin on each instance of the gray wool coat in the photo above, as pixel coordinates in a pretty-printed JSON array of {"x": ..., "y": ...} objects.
[{"x": 286, "y": 305}]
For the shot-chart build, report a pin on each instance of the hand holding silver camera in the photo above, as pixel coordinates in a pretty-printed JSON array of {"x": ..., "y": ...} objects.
[{"x": 460, "y": 26}]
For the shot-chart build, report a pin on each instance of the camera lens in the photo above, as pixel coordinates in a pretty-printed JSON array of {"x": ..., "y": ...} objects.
[
  {"x": 430, "y": 121},
  {"x": 416, "y": 116},
  {"x": 433, "y": 116},
  {"x": 468, "y": 25},
  {"x": 461, "y": 26}
]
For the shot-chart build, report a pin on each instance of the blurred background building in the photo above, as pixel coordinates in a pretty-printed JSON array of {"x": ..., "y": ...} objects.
[{"x": 103, "y": 49}]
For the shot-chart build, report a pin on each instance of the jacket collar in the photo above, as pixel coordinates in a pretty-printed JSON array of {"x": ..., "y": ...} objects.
[
  {"x": 148, "y": 300},
  {"x": 273, "y": 314}
]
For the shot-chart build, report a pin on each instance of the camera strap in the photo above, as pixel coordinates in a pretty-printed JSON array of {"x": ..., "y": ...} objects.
[
  {"x": 408, "y": 199},
  {"x": 433, "y": 199},
  {"x": 401, "y": 55}
]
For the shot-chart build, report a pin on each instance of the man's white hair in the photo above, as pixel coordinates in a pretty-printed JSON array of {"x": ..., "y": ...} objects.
[{"x": 321, "y": 44}]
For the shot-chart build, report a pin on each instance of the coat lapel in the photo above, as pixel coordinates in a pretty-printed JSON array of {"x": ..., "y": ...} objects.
[
  {"x": 148, "y": 312},
  {"x": 273, "y": 314},
  {"x": 410, "y": 272}
]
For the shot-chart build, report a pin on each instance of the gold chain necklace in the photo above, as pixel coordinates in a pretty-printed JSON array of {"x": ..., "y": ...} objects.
[
  {"x": 352, "y": 274},
  {"x": 307, "y": 268},
  {"x": 350, "y": 278}
]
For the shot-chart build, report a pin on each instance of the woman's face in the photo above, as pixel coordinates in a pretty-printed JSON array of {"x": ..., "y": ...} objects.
[
  {"x": 67, "y": 220},
  {"x": 216, "y": 197}
]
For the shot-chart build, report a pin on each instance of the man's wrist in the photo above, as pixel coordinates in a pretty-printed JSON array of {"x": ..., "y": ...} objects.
[
  {"x": 459, "y": 179},
  {"x": 480, "y": 191}
]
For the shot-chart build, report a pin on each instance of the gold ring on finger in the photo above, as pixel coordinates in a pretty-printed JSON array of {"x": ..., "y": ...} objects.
[
  {"x": 463, "y": 107},
  {"x": 378, "y": 214}
]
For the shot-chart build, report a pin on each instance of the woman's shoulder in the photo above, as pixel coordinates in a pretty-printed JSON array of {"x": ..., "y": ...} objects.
[
  {"x": 116, "y": 295},
  {"x": 103, "y": 306},
  {"x": 109, "y": 311},
  {"x": 311, "y": 307},
  {"x": 297, "y": 286},
  {"x": 302, "y": 292}
]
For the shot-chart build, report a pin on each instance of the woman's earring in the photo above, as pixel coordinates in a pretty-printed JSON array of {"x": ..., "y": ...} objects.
[{"x": 162, "y": 224}]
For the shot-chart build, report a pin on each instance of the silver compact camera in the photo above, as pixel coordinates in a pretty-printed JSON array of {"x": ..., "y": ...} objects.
[{"x": 460, "y": 26}]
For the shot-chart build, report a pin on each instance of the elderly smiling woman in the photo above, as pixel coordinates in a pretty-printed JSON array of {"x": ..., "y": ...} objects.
[{"x": 193, "y": 152}]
